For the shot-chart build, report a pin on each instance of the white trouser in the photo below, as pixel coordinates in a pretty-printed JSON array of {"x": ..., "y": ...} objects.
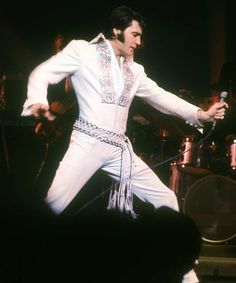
[
  {"x": 85, "y": 156},
  {"x": 190, "y": 277}
]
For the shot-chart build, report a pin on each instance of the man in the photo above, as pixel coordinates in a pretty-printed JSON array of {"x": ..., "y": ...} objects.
[{"x": 105, "y": 79}]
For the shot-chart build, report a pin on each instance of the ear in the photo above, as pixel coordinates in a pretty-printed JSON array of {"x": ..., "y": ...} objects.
[{"x": 116, "y": 31}]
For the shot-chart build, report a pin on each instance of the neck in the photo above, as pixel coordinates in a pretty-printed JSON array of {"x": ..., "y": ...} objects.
[{"x": 115, "y": 46}]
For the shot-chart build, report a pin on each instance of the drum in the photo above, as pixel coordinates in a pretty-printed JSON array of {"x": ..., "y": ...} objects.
[
  {"x": 196, "y": 158},
  {"x": 210, "y": 202},
  {"x": 232, "y": 156},
  {"x": 174, "y": 179}
]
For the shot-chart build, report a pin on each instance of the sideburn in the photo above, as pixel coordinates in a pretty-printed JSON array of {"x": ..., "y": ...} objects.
[{"x": 121, "y": 37}]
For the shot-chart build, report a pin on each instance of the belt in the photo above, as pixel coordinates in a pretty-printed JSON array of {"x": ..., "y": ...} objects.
[{"x": 101, "y": 134}]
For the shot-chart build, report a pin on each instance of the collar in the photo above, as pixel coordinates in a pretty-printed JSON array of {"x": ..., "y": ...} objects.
[{"x": 100, "y": 37}]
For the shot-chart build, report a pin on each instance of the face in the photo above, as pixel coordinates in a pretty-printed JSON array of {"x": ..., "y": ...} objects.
[{"x": 132, "y": 40}]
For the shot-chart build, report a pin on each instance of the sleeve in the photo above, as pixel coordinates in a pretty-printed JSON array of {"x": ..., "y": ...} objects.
[
  {"x": 51, "y": 71},
  {"x": 167, "y": 102}
]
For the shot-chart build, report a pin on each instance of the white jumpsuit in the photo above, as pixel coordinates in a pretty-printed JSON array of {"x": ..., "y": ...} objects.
[{"x": 105, "y": 90}]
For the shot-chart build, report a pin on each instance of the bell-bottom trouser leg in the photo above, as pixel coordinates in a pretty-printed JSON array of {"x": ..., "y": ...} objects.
[{"x": 85, "y": 156}]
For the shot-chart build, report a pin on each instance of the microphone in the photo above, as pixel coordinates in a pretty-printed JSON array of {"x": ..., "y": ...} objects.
[{"x": 223, "y": 96}]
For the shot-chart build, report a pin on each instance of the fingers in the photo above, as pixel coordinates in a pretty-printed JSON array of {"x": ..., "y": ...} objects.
[
  {"x": 36, "y": 110},
  {"x": 220, "y": 110},
  {"x": 48, "y": 115},
  {"x": 217, "y": 111},
  {"x": 226, "y": 105},
  {"x": 222, "y": 105},
  {"x": 42, "y": 111},
  {"x": 219, "y": 116}
]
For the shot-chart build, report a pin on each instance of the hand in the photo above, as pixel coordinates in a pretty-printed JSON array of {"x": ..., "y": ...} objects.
[
  {"x": 40, "y": 110},
  {"x": 215, "y": 112}
]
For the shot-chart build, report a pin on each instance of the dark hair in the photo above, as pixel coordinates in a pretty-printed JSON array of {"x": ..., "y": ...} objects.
[{"x": 121, "y": 18}]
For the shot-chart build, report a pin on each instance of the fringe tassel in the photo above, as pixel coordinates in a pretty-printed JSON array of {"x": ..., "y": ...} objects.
[
  {"x": 113, "y": 197},
  {"x": 121, "y": 195}
]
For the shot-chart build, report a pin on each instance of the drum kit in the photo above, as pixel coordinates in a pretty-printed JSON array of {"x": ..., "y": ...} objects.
[{"x": 202, "y": 173}]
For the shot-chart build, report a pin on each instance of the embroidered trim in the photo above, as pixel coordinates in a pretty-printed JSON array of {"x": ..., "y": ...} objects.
[
  {"x": 128, "y": 84},
  {"x": 106, "y": 80}
]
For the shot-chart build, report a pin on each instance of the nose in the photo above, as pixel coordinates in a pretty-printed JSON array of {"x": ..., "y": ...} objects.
[{"x": 138, "y": 41}]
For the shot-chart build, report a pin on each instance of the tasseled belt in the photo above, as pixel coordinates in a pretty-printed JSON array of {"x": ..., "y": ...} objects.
[{"x": 121, "y": 196}]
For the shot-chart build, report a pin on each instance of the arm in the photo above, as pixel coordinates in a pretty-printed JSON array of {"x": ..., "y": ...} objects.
[
  {"x": 171, "y": 104},
  {"x": 51, "y": 71}
]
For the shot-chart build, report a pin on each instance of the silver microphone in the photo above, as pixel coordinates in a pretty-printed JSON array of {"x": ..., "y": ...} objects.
[{"x": 223, "y": 96}]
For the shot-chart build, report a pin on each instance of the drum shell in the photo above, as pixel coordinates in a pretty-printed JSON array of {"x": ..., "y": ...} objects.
[
  {"x": 202, "y": 158},
  {"x": 210, "y": 201},
  {"x": 197, "y": 158},
  {"x": 232, "y": 157}
]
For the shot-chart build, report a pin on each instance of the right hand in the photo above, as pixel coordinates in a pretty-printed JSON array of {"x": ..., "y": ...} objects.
[
  {"x": 215, "y": 112},
  {"x": 40, "y": 111}
]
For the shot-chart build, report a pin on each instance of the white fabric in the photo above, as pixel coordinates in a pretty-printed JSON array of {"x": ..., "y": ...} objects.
[
  {"x": 190, "y": 277},
  {"x": 105, "y": 90},
  {"x": 86, "y": 155},
  {"x": 79, "y": 59}
]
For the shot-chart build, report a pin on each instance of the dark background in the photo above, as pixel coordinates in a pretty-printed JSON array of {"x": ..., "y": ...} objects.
[
  {"x": 179, "y": 52},
  {"x": 186, "y": 43},
  {"x": 177, "y": 39}
]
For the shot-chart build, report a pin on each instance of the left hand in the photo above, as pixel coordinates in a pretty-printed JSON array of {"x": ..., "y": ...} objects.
[
  {"x": 40, "y": 110},
  {"x": 215, "y": 112}
]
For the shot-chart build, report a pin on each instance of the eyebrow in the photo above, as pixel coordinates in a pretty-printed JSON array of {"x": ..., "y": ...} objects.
[{"x": 136, "y": 33}]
